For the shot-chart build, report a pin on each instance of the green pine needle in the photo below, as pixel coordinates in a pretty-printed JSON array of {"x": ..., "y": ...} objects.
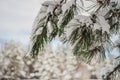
[{"x": 67, "y": 17}]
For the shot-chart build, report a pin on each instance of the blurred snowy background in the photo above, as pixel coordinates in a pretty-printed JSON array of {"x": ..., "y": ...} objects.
[{"x": 14, "y": 65}]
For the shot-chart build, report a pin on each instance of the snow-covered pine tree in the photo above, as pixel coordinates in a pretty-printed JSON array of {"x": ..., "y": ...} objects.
[{"x": 87, "y": 25}]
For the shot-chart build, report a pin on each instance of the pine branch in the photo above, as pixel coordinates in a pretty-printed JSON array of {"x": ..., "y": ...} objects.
[
  {"x": 39, "y": 40},
  {"x": 113, "y": 18},
  {"x": 82, "y": 37},
  {"x": 67, "y": 17},
  {"x": 54, "y": 33},
  {"x": 102, "y": 4},
  {"x": 111, "y": 75}
]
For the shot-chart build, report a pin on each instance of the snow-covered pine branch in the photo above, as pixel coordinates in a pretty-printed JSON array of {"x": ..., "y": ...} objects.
[
  {"x": 88, "y": 34},
  {"x": 47, "y": 17}
]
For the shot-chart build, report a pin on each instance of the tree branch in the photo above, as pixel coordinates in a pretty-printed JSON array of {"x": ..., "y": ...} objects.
[{"x": 112, "y": 72}]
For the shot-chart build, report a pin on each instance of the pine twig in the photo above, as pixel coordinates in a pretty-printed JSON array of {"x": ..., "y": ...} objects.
[{"x": 112, "y": 72}]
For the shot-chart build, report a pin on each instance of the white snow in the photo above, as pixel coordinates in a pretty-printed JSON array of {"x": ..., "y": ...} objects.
[
  {"x": 101, "y": 23},
  {"x": 48, "y": 3},
  {"x": 67, "y": 5},
  {"x": 83, "y": 19}
]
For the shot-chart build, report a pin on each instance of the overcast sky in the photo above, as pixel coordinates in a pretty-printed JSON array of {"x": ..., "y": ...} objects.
[{"x": 16, "y": 19}]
